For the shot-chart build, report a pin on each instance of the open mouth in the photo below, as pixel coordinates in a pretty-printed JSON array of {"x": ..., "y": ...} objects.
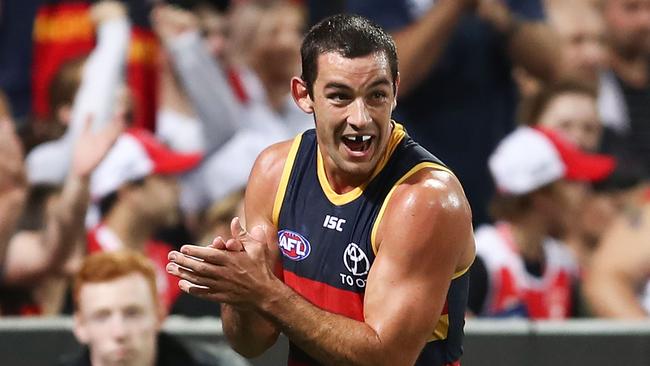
[{"x": 357, "y": 143}]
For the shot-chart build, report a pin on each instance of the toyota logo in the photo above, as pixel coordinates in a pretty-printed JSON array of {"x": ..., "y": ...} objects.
[{"x": 355, "y": 260}]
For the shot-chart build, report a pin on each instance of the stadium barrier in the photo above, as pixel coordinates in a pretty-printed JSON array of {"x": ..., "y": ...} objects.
[{"x": 42, "y": 341}]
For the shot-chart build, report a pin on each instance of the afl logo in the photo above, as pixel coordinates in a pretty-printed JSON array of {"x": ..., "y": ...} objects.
[
  {"x": 355, "y": 260},
  {"x": 293, "y": 245}
]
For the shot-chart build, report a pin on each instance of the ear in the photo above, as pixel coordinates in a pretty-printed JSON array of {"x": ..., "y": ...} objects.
[
  {"x": 396, "y": 92},
  {"x": 300, "y": 95},
  {"x": 79, "y": 329}
]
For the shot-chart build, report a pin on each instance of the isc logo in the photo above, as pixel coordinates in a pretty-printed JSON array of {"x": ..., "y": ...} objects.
[
  {"x": 293, "y": 245},
  {"x": 332, "y": 222}
]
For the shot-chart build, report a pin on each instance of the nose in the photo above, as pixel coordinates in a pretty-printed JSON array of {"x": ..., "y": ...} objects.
[
  {"x": 359, "y": 116},
  {"x": 118, "y": 327}
]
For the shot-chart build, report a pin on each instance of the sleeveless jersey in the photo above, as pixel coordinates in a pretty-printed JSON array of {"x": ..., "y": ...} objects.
[
  {"x": 328, "y": 244},
  {"x": 512, "y": 291}
]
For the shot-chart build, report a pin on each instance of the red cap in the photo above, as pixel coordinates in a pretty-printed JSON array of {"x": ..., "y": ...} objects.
[
  {"x": 579, "y": 165},
  {"x": 165, "y": 160}
]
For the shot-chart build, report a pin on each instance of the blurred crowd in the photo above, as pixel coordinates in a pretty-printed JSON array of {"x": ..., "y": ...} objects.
[{"x": 134, "y": 125}]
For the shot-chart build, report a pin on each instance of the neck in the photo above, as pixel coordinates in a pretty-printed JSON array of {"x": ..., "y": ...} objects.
[
  {"x": 130, "y": 228},
  {"x": 342, "y": 183},
  {"x": 528, "y": 234},
  {"x": 633, "y": 69}
]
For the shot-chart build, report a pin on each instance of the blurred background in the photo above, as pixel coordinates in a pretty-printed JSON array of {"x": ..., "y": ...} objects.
[{"x": 134, "y": 125}]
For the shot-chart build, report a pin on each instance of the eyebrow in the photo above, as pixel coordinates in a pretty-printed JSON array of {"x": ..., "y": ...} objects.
[{"x": 336, "y": 85}]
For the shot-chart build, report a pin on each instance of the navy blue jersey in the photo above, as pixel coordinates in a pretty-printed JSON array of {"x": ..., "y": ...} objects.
[{"x": 327, "y": 240}]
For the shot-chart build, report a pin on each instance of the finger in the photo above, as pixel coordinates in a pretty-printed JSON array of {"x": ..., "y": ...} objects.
[
  {"x": 203, "y": 293},
  {"x": 234, "y": 245},
  {"x": 218, "y": 243},
  {"x": 236, "y": 229},
  {"x": 189, "y": 287},
  {"x": 198, "y": 254},
  {"x": 184, "y": 274}
]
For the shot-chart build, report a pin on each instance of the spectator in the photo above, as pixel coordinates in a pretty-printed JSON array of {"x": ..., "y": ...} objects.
[
  {"x": 34, "y": 255},
  {"x": 456, "y": 92},
  {"x": 581, "y": 30},
  {"x": 118, "y": 317},
  {"x": 98, "y": 94},
  {"x": 617, "y": 283},
  {"x": 625, "y": 89},
  {"x": 522, "y": 269},
  {"x": 136, "y": 191},
  {"x": 583, "y": 55},
  {"x": 569, "y": 107},
  {"x": 176, "y": 122},
  {"x": 238, "y": 123}
]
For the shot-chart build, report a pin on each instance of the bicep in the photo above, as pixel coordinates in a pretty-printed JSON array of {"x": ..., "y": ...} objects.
[{"x": 421, "y": 247}]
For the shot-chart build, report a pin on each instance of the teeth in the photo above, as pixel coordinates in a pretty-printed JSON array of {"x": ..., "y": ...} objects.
[{"x": 363, "y": 138}]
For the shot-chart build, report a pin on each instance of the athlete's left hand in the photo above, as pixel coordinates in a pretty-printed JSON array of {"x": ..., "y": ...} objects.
[{"x": 235, "y": 272}]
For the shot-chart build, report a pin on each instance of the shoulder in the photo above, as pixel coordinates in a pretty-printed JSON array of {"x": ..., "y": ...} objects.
[
  {"x": 270, "y": 162},
  {"x": 265, "y": 179},
  {"x": 430, "y": 210},
  {"x": 434, "y": 192}
]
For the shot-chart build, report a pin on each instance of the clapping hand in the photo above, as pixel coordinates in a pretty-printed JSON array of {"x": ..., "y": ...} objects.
[{"x": 234, "y": 271}]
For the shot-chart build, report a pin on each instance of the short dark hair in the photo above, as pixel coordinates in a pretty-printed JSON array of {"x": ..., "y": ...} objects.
[{"x": 348, "y": 35}]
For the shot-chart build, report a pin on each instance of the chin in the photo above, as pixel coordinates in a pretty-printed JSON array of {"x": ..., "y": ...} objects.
[{"x": 358, "y": 168}]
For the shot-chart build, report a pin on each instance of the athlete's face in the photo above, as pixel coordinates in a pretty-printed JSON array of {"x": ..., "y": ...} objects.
[
  {"x": 353, "y": 99},
  {"x": 119, "y": 321}
]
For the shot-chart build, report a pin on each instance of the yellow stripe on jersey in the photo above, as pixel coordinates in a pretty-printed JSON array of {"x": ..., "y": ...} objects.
[
  {"x": 341, "y": 199},
  {"x": 442, "y": 328},
  {"x": 415, "y": 169},
  {"x": 284, "y": 179},
  {"x": 462, "y": 271}
]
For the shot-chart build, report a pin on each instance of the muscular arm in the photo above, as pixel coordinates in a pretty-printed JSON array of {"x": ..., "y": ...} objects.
[
  {"x": 619, "y": 268},
  {"x": 420, "y": 44}
]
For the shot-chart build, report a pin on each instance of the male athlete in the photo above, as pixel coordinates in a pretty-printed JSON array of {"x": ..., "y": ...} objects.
[{"x": 360, "y": 239}]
